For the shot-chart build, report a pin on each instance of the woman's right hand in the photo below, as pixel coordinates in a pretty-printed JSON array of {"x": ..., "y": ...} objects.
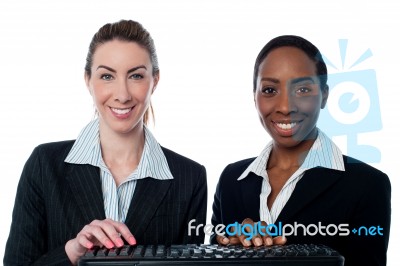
[
  {"x": 106, "y": 233},
  {"x": 256, "y": 240}
]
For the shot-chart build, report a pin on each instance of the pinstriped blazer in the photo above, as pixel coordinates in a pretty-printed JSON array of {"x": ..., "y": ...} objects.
[
  {"x": 55, "y": 200},
  {"x": 358, "y": 196}
]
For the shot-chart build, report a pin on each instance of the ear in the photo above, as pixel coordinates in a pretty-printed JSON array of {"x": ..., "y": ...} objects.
[
  {"x": 325, "y": 94},
  {"x": 156, "y": 78},
  {"x": 87, "y": 82}
]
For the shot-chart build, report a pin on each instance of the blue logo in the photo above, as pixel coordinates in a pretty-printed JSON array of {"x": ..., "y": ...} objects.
[{"x": 353, "y": 106}]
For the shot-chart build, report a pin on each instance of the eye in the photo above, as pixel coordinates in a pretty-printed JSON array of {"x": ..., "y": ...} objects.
[
  {"x": 268, "y": 90},
  {"x": 106, "y": 77},
  {"x": 306, "y": 89},
  {"x": 136, "y": 76},
  {"x": 303, "y": 89}
]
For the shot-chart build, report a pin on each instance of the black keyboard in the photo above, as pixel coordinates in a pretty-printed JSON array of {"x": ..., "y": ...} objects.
[{"x": 191, "y": 254}]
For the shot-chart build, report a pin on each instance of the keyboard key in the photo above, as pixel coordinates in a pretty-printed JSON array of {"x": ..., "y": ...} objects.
[
  {"x": 126, "y": 250},
  {"x": 102, "y": 252},
  {"x": 138, "y": 253},
  {"x": 92, "y": 252},
  {"x": 149, "y": 252},
  {"x": 173, "y": 253},
  {"x": 197, "y": 253},
  {"x": 186, "y": 253},
  {"x": 160, "y": 252},
  {"x": 113, "y": 252}
]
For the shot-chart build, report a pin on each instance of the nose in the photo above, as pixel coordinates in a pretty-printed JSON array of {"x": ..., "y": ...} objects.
[
  {"x": 121, "y": 92},
  {"x": 285, "y": 103}
]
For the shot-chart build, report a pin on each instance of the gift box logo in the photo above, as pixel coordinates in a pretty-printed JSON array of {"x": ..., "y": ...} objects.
[{"x": 353, "y": 106}]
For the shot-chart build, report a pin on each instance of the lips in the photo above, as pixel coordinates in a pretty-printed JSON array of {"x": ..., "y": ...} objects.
[
  {"x": 121, "y": 111},
  {"x": 286, "y": 128}
]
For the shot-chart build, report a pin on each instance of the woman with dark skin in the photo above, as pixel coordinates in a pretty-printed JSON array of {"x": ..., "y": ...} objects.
[{"x": 301, "y": 177}]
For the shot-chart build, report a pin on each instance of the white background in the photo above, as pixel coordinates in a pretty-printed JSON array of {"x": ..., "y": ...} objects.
[{"x": 203, "y": 104}]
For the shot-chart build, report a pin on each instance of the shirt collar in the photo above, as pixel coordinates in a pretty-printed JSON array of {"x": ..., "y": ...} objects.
[
  {"x": 323, "y": 153},
  {"x": 86, "y": 150}
]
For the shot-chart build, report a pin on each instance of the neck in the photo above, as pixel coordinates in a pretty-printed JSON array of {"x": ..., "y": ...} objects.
[
  {"x": 290, "y": 157},
  {"x": 122, "y": 148}
]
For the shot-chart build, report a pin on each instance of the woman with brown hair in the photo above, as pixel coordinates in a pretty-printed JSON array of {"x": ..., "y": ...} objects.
[{"x": 114, "y": 184}]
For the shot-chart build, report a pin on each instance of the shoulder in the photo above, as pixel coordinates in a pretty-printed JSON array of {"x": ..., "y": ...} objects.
[
  {"x": 176, "y": 157},
  {"x": 46, "y": 162},
  {"x": 365, "y": 174},
  {"x": 178, "y": 162},
  {"x": 234, "y": 170},
  {"x": 239, "y": 166},
  {"x": 353, "y": 165},
  {"x": 228, "y": 179},
  {"x": 357, "y": 165},
  {"x": 56, "y": 147},
  {"x": 54, "y": 151}
]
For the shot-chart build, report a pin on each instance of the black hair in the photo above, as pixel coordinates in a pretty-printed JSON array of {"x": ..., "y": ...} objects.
[{"x": 293, "y": 41}]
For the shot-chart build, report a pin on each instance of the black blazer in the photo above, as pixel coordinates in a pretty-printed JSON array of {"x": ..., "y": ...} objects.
[
  {"x": 359, "y": 196},
  {"x": 55, "y": 200}
]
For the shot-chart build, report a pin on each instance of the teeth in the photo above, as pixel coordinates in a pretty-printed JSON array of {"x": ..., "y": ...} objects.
[
  {"x": 286, "y": 126},
  {"x": 121, "y": 111}
]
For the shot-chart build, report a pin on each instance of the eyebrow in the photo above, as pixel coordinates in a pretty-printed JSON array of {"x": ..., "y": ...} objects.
[
  {"x": 114, "y": 71},
  {"x": 297, "y": 80},
  {"x": 293, "y": 81},
  {"x": 270, "y": 79}
]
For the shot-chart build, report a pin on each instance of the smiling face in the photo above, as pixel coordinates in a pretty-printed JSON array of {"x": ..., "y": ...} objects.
[
  {"x": 121, "y": 84},
  {"x": 288, "y": 96}
]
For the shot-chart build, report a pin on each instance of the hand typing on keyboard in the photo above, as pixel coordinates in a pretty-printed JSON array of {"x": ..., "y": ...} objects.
[
  {"x": 107, "y": 233},
  {"x": 255, "y": 240}
]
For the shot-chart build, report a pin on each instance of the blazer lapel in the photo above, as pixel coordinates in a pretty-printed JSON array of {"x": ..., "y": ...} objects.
[
  {"x": 250, "y": 188},
  {"x": 85, "y": 184},
  {"x": 311, "y": 185},
  {"x": 149, "y": 194}
]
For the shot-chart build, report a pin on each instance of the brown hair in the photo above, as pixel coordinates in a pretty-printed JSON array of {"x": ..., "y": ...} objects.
[{"x": 124, "y": 30}]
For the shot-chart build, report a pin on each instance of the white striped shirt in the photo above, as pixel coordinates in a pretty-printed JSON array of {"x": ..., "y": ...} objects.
[
  {"x": 87, "y": 150},
  {"x": 323, "y": 153}
]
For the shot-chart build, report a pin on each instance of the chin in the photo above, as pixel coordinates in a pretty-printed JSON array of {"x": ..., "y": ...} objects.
[
  {"x": 288, "y": 144},
  {"x": 128, "y": 127},
  {"x": 123, "y": 127}
]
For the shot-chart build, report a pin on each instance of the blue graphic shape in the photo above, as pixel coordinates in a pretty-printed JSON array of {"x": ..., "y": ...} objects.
[
  {"x": 349, "y": 103},
  {"x": 365, "y": 153},
  {"x": 328, "y": 63},
  {"x": 343, "y": 50},
  {"x": 370, "y": 123},
  {"x": 367, "y": 54}
]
